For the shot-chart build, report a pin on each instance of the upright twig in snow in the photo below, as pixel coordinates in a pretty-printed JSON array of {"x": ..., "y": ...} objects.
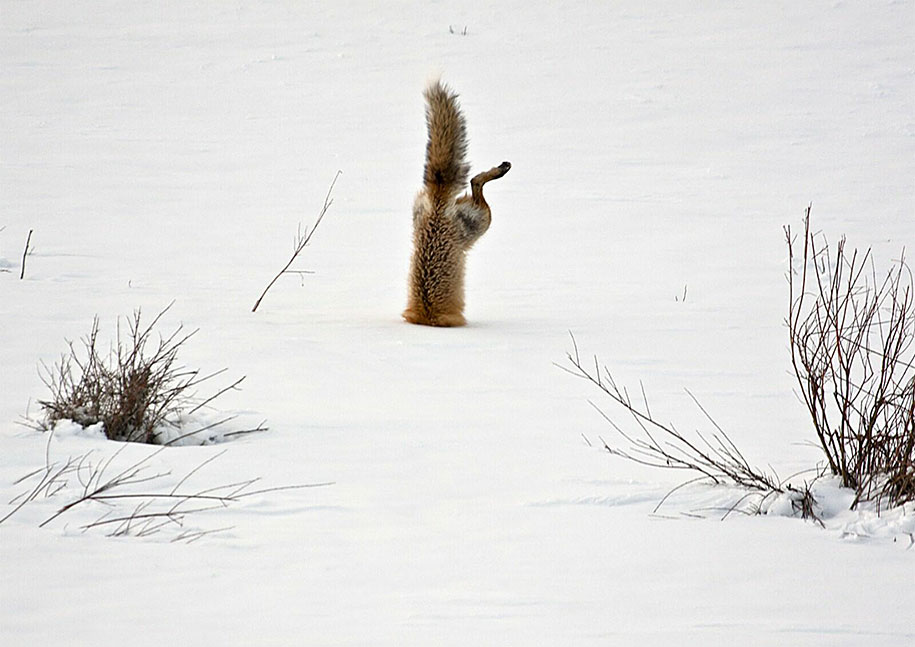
[
  {"x": 25, "y": 253},
  {"x": 301, "y": 241}
]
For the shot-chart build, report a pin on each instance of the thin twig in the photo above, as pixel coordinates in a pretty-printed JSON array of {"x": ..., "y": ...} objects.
[
  {"x": 301, "y": 242},
  {"x": 25, "y": 253}
]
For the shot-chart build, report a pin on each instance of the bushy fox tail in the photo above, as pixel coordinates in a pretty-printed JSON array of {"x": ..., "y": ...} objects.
[{"x": 446, "y": 169}]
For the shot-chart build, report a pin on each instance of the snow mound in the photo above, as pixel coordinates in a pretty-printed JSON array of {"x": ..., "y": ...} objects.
[{"x": 835, "y": 508}]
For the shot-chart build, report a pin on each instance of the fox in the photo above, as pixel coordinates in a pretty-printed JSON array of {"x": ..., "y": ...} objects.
[{"x": 445, "y": 226}]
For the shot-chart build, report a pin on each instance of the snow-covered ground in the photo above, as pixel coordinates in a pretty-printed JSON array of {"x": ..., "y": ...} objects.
[{"x": 167, "y": 151}]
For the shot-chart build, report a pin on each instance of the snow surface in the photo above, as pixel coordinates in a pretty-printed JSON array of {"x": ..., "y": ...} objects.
[{"x": 167, "y": 151}]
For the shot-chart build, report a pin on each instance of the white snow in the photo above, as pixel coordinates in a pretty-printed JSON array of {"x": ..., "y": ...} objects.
[{"x": 168, "y": 151}]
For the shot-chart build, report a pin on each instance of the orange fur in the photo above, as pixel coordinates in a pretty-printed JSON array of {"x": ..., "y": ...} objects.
[{"x": 445, "y": 226}]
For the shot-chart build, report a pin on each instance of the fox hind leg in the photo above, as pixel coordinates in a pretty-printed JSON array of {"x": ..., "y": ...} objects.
[
  {"x": 472, "y": 212},
  {"x": 492, "y": 174}
]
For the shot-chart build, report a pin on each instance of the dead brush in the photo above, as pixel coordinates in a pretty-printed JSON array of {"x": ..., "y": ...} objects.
[
  {"x": 137, "y": 390},
  {"x": 711, "y": 458},
  {"x": 852, "y": 337},
  {"x": 135, "y": 500}
]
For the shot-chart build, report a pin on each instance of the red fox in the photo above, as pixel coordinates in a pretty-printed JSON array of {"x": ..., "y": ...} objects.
[{"x": 444, "y": 225}]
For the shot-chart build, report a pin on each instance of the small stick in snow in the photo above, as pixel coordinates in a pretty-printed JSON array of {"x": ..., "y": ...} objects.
[
  {"x": 301, "y": 242},
  {"x": 25, "y": 253}
]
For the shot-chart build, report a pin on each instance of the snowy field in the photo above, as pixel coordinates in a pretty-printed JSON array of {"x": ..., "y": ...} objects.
[{"x": 167, "y": 151}]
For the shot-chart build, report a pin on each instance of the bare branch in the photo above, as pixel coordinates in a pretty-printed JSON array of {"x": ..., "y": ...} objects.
[
  {"x": 25, "y": 254},
  {"x": 302, "y": 239},
  {"x": 662, "y": 445},
  {"x": 132, "y": 511}
]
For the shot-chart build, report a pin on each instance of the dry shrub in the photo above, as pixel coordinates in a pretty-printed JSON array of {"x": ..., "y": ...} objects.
[
  {"x": 852, "y": 337},
  {"x": 137, "y": 390}
]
